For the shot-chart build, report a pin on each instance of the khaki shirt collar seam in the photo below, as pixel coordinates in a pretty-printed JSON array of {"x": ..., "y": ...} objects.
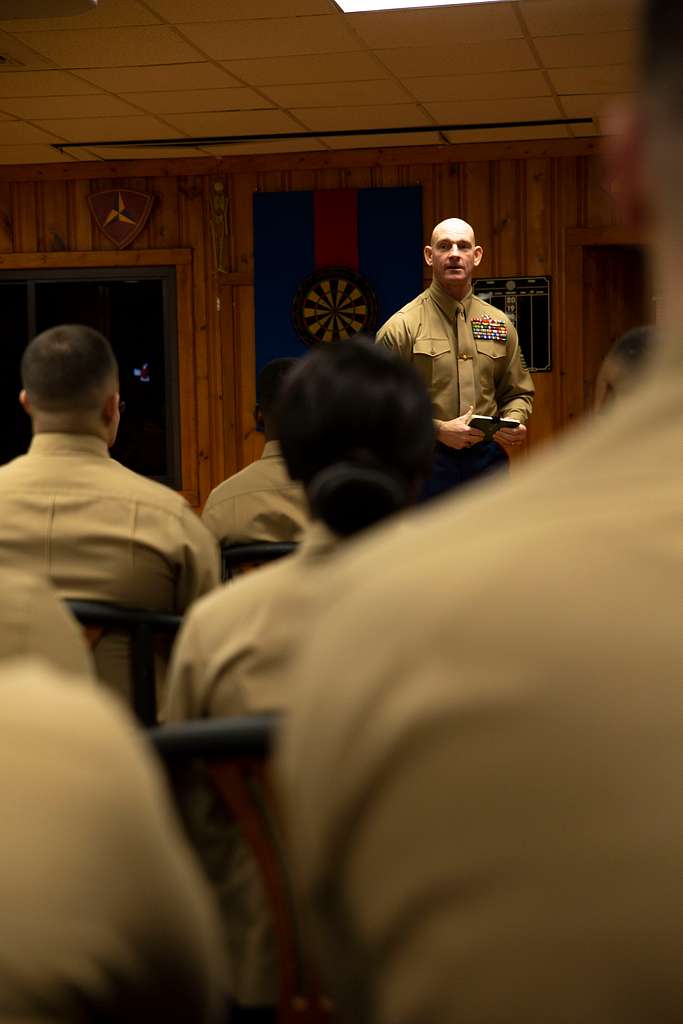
[
  {"x": 448, "y": 305},
  {"x": 53, "y": 443}
]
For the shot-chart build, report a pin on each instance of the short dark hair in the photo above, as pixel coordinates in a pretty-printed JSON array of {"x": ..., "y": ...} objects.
[
  {"x": 67, "y": 367},
  {"x": 271, "y": 380},
  {"x": 634, "y": 347},
  {"x": 355, "y": 425}
]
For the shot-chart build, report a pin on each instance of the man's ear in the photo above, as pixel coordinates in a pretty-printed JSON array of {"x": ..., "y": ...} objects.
[
  {"x": 624, "y": 154},
  {"x": 478, "y": 255},
  {"x": 25, "y": 402},
  {"x": 110, "y": 408},
  {"x": 428, "y": 254}
]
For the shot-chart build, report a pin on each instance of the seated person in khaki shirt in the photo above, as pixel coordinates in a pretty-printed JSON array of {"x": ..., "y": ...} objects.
[
  {"x": 105, "y": 916},
  {"x": 69, "y": 511},
  {"x": 33, "y": 621},
  {"x": 356, "y": 430},
  {"x": 261, "y": 502}
]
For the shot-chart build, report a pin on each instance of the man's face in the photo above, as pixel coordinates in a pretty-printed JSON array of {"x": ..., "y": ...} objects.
[{"x": 453, "y": 255}]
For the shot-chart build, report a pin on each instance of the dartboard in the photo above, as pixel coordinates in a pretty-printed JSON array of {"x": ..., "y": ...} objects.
[{"x": 333, "y": 304}]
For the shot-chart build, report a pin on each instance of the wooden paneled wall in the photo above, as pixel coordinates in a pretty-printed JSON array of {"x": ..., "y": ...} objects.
[{"x": 521, "y": 198}]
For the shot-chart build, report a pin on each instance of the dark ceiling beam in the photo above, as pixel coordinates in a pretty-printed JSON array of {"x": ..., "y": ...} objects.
[{"x": 226, "y": 140}]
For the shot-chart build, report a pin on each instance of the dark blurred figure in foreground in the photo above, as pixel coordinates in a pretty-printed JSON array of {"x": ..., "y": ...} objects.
[
  {"x": 483, "y": 771},
  {"x": 624, "y": 365}
]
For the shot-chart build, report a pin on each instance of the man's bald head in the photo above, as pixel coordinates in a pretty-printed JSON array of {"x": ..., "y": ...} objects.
[
  {"x": 453, "y": 254},
  {"x": 453, "y": 225}
]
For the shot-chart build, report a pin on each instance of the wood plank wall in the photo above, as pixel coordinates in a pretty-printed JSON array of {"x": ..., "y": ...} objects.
[{"x": 521, "y": 198}]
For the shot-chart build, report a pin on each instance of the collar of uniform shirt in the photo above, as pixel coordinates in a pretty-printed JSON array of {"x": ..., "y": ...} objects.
[
  {"x": 450, "y": 306},
  {"x": 53, "y": 443}
]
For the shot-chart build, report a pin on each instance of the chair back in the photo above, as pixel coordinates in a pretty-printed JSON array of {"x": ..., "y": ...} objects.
[
  {"x": 142, "y": 628},
  {"x": 235, "y": 753},
  {"x": 237, "y": 556}
]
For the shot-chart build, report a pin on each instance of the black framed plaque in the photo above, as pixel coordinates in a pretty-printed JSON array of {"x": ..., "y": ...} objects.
[{"x": 526, "y": 301}]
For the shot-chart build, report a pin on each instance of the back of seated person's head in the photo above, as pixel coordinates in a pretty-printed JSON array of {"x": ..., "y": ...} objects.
[
  {"x": 268, "y": 388},
  {"x": 623, "y": 365},
  {"x": 355, "y": 425},
  {"x": 69, "y": 378}
]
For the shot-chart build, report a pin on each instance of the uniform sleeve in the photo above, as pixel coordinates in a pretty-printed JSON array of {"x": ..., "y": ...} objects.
[
  {"x": 395, "y": 335},
  {"x": 515, "y": 392},
  {"x": 200, "y": 568},
  {"x": 186, "y": 671},
  {"x": 218, "y": 516}
]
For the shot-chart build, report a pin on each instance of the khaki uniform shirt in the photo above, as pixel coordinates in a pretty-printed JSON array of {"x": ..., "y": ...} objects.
[
  {"x": 104, "y": 913},
  {"x": 467, "y": 352},
  {"x": 231, "y": 658},
  {"x": 33, "y": 621},
  {"x": 102, "y": 533},
  {"x": 483, "y": 782},
  {"x": 260, "y": 503}
]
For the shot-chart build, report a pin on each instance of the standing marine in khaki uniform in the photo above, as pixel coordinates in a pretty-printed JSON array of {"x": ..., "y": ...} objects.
[
  {"x": 483, "y": 770},
  {"x": 468, "y": 353},
  {"x": 67, "y": 510}
]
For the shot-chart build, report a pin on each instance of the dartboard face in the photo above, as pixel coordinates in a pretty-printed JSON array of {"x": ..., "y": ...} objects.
[{"x": 333, "y": 305}]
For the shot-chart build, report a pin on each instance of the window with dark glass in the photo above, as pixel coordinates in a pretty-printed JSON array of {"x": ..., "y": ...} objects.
[{"x": 137, "y": 313}]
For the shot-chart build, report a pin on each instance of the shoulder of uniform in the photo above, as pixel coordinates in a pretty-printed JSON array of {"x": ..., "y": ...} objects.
[{"x": 414, "y": 307}]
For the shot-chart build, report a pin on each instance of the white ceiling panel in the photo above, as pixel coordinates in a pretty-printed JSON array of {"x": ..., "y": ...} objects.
[
  {"x": 41, "y": 83},
  {"x": 481, "y": 111},
  {"x": 591, "y": 50},
  {"x": 196, "y": 100},
  {"x": 110, "y": 47},
  {"x": 276, "y": 37},
  {"x": 309, "y": 68},
  {"x": 22, "y": 134},
  {"x": 398, "y": 115},
  {"x": 561, "y": 17},
  {"x": 159, "y": 78},
  {"x": 83, "y": 129},
  {"x": 385, "y": 141},
  {"x": 178, "y": 11},
  {"x": 495, "y": 85},
  {"x": 272, "y": 146},
  {"x": 438, "y": 26},
  {"x": 574, "y": 81},
  {"x": 431, "y": 61},
  {"x": 31, "y": 155},
  {"x": 332, "y": 93},
  {"x": 506, "y": 135},
  {"x": 107, "y": 14},
  {"x": 36, "y": 108},
  {"x": 242, "y": 122}
]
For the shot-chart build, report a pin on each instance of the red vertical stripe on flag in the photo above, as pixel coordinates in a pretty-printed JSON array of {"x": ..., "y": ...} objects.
[{"x": 336, "y": 228}]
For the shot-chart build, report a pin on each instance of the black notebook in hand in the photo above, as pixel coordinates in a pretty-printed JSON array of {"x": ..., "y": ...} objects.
[{"x": 490, "y": 424}]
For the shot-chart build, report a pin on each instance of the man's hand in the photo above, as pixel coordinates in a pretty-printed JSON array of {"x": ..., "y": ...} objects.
[
  {"x": 456, "y": 433},
  {"x": 509, "y": 438}
]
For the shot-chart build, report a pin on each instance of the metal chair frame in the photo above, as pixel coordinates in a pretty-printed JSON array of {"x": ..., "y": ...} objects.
[{"x": 257, "y": 553}]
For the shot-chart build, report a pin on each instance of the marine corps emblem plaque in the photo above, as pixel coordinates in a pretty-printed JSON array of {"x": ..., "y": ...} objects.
[{"x": 121, "y": 213}]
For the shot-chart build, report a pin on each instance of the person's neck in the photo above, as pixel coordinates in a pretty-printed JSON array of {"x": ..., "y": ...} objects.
[
  {"x": 455, "y": 291},
  {"x": 44, "y": 423}
]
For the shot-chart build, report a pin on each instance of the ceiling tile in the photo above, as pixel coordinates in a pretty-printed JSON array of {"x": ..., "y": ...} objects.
[
  {"x": 561, "y": 17},
  {"x": 179, "y": 11},
  {"x": 385, "y": 141},
  {"x": 274, "y": 146},
  {"x": 237, "y": 122},
  {"x": 498, "y": 55},
  {"x": 506, "y": 135},
  {"x": 328, "y": 67},
  {"x": 22, "y": 134},
  {"x": 111, "y": 14},
  {"x": 194, "y": 100},
  {"x": 276, "y": 37},
  {"x": 458, "y": 25},
  {"x": 83, "y": 129},
  {"x": 483, "y": 87},
  {"x": 398, "y": 115},
  {"x": 591, "y": 106},
  {"x": 160, "y": 78},
  {"x": 334, "y": 94},
  {"x": 41, "y": 83},
  {"x": 31, "y": 155},
  {"x": 140, "y": 152},
  {"x": 111, "y": 47},
  {"x": 479, "y": 111},
  {"x": 67, "y": 106},
  {"x": 592, "y": 50},
  {"x": 613, "y": 78}
]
